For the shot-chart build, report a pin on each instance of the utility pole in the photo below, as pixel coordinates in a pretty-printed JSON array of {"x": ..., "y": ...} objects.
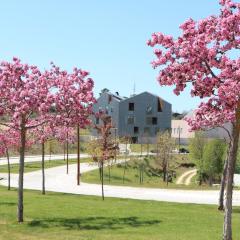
[{"x": 179, "y": 139}]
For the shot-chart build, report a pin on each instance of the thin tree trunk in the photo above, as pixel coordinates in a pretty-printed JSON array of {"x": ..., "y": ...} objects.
[
  {"x": 100, "y": 171},
  {"x": 50, "y": 150},
  {"x": 64, "y": 151},
  {"x": 109, "y": 173},
  {"x": 227, "y": 229},
  {"x": 9, "y": 170},
  {"x": 222, "y": 187},
  {"x": 43, "y": 168},
  {"x": 21, "y": 172},
  {"x": 78, "y": 155},
  {"x": 125, "y": 160},
  {"x": 164, "y": 172},
  {"x": 67, "y": 154},
  {"x": 102, "y": 180}
]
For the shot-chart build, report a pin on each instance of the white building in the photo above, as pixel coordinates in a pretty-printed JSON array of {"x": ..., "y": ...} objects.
[{"x": 181, "y": 131}]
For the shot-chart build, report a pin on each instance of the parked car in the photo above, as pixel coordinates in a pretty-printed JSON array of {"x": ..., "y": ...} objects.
[{"x": 183, "y": 150}]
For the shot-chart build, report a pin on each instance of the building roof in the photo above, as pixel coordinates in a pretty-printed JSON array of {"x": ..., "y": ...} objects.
[
  {"x": 121, "y": 98},
  {"x": 146, "y": 92}
]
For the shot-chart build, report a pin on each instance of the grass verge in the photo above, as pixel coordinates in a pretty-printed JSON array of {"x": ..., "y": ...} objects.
[{"x": 65, "y": 216}]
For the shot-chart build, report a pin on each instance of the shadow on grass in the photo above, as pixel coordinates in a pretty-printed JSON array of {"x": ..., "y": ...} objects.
[
  {"x": 8, "y": 203},
  {"x": 236, "y": 210},
  {"x": 93, "y": 223}
]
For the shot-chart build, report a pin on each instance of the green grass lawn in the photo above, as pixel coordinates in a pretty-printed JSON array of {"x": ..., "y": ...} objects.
[
  {"x": 34, "y": 166},
  {"x": 150, "y": 179},
  {"x": 64, "y": 216},
  {"x": 136, "y": 147}
]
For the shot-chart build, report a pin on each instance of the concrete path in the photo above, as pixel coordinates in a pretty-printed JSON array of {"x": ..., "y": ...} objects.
[
  {"x": 186, "y": 177},
  {"x": 38, "y": 158},
  {"x": 58, "y": 181}
]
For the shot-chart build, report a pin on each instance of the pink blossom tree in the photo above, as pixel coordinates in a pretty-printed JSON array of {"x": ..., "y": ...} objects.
[
  {"x": 73, "y": 101},
  {"x": 25, "y": 102},
  {"x": 206, "y": 56}
]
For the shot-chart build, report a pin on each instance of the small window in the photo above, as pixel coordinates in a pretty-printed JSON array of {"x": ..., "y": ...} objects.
[
  {"x": 147, "y": 130},
  {"x": 149, "y": 110},
  {"x": 149, "y": 121},
  {"x": 109, "y": 98},
  {"x": 106, "y": 110},
  {"x": 160, "y": 105},
  {"x": 136, "y": 129},
  {"x": 97, "y": 120},
  {"x": 130, "y": 120},
  {"x": 154, "y": 120},
  {"x": 131, "y": 107}
]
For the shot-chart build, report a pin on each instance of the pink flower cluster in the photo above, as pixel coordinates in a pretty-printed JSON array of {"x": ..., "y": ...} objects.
[{"x": 204, "y": 57}]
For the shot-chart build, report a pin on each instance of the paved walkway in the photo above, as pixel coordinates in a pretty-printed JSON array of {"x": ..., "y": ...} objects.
[
  {"x": 58, "y": 181},
  {"x": 38, "y": 158}
]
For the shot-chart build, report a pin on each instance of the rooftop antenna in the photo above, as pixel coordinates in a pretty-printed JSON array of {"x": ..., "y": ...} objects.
[{"x": 134, "y": 88}]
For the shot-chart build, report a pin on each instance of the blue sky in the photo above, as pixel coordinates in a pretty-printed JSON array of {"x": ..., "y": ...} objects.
[{"x": 106, "y": 37}]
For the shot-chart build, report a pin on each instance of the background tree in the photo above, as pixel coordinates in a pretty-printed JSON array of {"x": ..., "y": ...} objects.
[
  {"x": 165, "y": 146},
  {"x": 95, "y": 151},
  {"x": 213, "y": 158},
  {"x": 203, "y": 57},
  {"x": 73, "y": 102},
  {"x": 196, "y": 149},
  {"x": 106, "y": 142},
  {"x": 65, "y": 135}
]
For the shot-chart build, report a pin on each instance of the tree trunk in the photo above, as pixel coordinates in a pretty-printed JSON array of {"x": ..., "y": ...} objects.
[
  {"x": 222, "y": 187},
  {"x": 67, "y": 154},
  {"x": 78, "y": 155},
  {"x": 64, "y": 151},
  {"x": 9, "y": 170},
  {"x": 102, "y": 180},
  {"x": 164, "y": 172},
  {"x": 50, "y": 150},
  {"x": 100, "y": 171},
  {"x": 227, "y": 229},
  {"x": 21, "y": 173},
  {"x": 109, "y": 173},
  {"x": 43, "y": 168}
]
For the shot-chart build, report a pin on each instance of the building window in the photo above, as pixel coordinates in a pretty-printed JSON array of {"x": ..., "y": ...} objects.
[
  {"x": 130, "y": 120},
  {"x": 160, "y": 105},
  {"x": 109, "y": 98},
  {"x": 134, "y": 139},
  {"x": 136, "y": 129},
  {"x": 130, "y": 106},
  {"x": 157, "y": 130},
  {"x": 106, "y": 110},
  {"x": 154, "y": 120},
  {"x": 149, "y": 121},
  {"x": 147, "y": 130},
  {"x": 97, "y": 120},
  {"x": 149, "y": 110}
]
